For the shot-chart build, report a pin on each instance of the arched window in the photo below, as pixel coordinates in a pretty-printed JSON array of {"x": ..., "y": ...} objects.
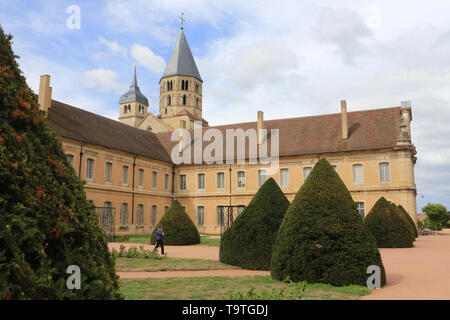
[
  {"x": 184, "y": 100},
  {"x": 169, "y": 101},
  {"x": 186, "y": 85},
  {"x": 197, "y": 87},
  {"x": 168, "y": 85},
  {"x": 197, "y": 102},
  {"x": 149, "y": 129},
  {"x": 182, "y": 84}
]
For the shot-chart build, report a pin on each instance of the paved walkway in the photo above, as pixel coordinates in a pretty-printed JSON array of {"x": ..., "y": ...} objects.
[{"x": 419, "y": 273}]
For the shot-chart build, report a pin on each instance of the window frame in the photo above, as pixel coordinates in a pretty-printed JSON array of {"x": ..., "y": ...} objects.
[
  {"x": 244, "y": 178},
  {"x": 181, "y": 184},
  {"x": 355, "y": 181},
  {"x": 288, "y": 177},
  {"x": 90, "y": 160},
  {"x": 222, "y": 173},
  {"x": 380, "y": 177}
]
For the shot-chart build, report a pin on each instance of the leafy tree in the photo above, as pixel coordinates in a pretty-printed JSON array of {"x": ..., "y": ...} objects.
[
  {"x": 178, "y": 227},
  {"x": 46, "y": 222},
  {"x": 390, "y": 229},
  {"x": 437, "y": 214},
  {"x": 322, "y": 237},
  {"x": 248, "y": 241}
]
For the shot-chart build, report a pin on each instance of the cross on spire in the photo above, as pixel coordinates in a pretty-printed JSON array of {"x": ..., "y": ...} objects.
[{"x": 182, "y": 19}]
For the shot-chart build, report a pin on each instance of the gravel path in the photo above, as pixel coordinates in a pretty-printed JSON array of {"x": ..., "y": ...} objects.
[{"x": 419, "y": 273}]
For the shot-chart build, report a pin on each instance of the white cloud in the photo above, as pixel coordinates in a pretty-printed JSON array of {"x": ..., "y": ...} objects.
[
  {"x": 112, "y": 46},
  {"x": 344, "y": 28},
  {"x": 102, "y": 79},
  {"x": 148, "y": 58}
]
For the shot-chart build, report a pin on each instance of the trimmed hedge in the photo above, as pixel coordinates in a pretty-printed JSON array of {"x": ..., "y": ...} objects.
[
  {"x": 409, "y": 220},
  {"x": 46, "y": 222},
  {"x": 177, "y": 226},
  {"x": 322, "y": 237},
  {"x": 248, "y": 242},
  {"x": 388, "y": 227}
]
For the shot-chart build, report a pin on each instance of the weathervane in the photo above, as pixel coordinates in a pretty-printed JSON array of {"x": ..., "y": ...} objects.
[{"x": 182, "y": 19}]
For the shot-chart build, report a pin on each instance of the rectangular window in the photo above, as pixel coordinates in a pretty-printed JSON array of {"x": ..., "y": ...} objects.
[
  {"x": 358, "y": 177},
  {"x": 107, "y": 214},
  {"x": 154, "y": 207},
  {"x": 220, "y": 180},
  {"x": 140, "y": 214},
  {"x": 154, "y": 179},
  {"x": 241, "y": 179},
  {"x": 70, "y": 159},
  {"x": 284, "y": 177},
  {"x": 200, "y": 215},
  {"x": 166, "y": 208},
  {"x": 166, "y": 182},
  {"x": 125, "y": 170},
  {"x": 220, "y": 215},
  {"x": 124, "y": 215},
  {"x": 108, "y": 171},
  {"x": 361, "y": 209},
  {"x": 140, "y": 178},
  {"x": 201, "y": 181},
  {"x": 182, "y": 182},
  {"x": 261, "y": 177},
  {"x": 385, "y": 171},
  {"x": 89, "y": 168},
  {"x": 306, "y": 172}
]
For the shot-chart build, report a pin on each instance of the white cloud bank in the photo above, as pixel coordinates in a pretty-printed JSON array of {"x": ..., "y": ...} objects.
[{"x": 148, "y": 58}]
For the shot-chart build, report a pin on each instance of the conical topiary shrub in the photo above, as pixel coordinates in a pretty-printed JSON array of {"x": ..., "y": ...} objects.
[
  {"x": 405, "y": 219},
  {"x": 248, "y": 242},
  {"x": 178, "y": 227},
  {"x": 322, "y": 237},
  {"x": 410, "y": 220},
  {"x": 388, "y": 227},
  {"x": 46, "y": 223}
]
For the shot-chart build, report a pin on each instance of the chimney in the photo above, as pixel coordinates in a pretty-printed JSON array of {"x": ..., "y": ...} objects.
[
  {"x": 344, "y": 119},
  {"x": 260, "y": 126},
  {"x": 45, "y": 93}
]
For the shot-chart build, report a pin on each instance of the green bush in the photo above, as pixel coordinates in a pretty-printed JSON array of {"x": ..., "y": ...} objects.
[
  {"x": 177, "y": 226},
  {"x": 322, "y": 237},
  {"x": 248, "y": 242},
  {"x": 390, "y": 229},
  {"x": 405, "y": 219},
  {"x": 46, "y": 222},
  {"x": 409, "y": 219},
  {"x": 134, "y": 252}
]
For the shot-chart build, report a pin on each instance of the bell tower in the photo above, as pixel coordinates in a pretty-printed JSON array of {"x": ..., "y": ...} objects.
[
  {"x": 133, "y": 105},
  {"x": 180, "y": 95}
]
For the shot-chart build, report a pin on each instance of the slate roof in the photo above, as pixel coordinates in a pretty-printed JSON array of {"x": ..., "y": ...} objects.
[
  {"x": 181, "y": 62},
  {"x": 134, "y": 94}
]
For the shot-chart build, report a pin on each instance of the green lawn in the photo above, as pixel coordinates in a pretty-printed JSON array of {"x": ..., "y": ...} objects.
[
  {"x": 204, "y": 240},
  {"x": 228, "y": 288},
  {"x": 168, "y": 264}
]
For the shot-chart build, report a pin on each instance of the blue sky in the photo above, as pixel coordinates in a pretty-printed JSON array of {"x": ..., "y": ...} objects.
[{"x": 287, "y": 58}]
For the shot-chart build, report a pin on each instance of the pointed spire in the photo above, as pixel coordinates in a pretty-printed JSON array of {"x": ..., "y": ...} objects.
[
  {"x": 134, "y": 82},
  {"x": 181, "y": 62},
  {"x": 134, "y": 94}
]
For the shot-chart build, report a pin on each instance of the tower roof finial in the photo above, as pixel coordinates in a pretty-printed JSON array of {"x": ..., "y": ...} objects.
[{"x": 182, "y": 19}]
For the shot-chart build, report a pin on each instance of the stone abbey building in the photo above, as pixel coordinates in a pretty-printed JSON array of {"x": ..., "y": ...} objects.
[{"x": 127, "y": 164}]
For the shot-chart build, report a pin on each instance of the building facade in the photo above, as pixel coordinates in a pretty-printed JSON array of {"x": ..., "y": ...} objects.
[{"x": 128, "y": 164}]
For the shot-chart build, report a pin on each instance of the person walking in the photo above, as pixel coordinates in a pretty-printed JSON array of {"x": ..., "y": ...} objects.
[{"x": 159, "y": 239}]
